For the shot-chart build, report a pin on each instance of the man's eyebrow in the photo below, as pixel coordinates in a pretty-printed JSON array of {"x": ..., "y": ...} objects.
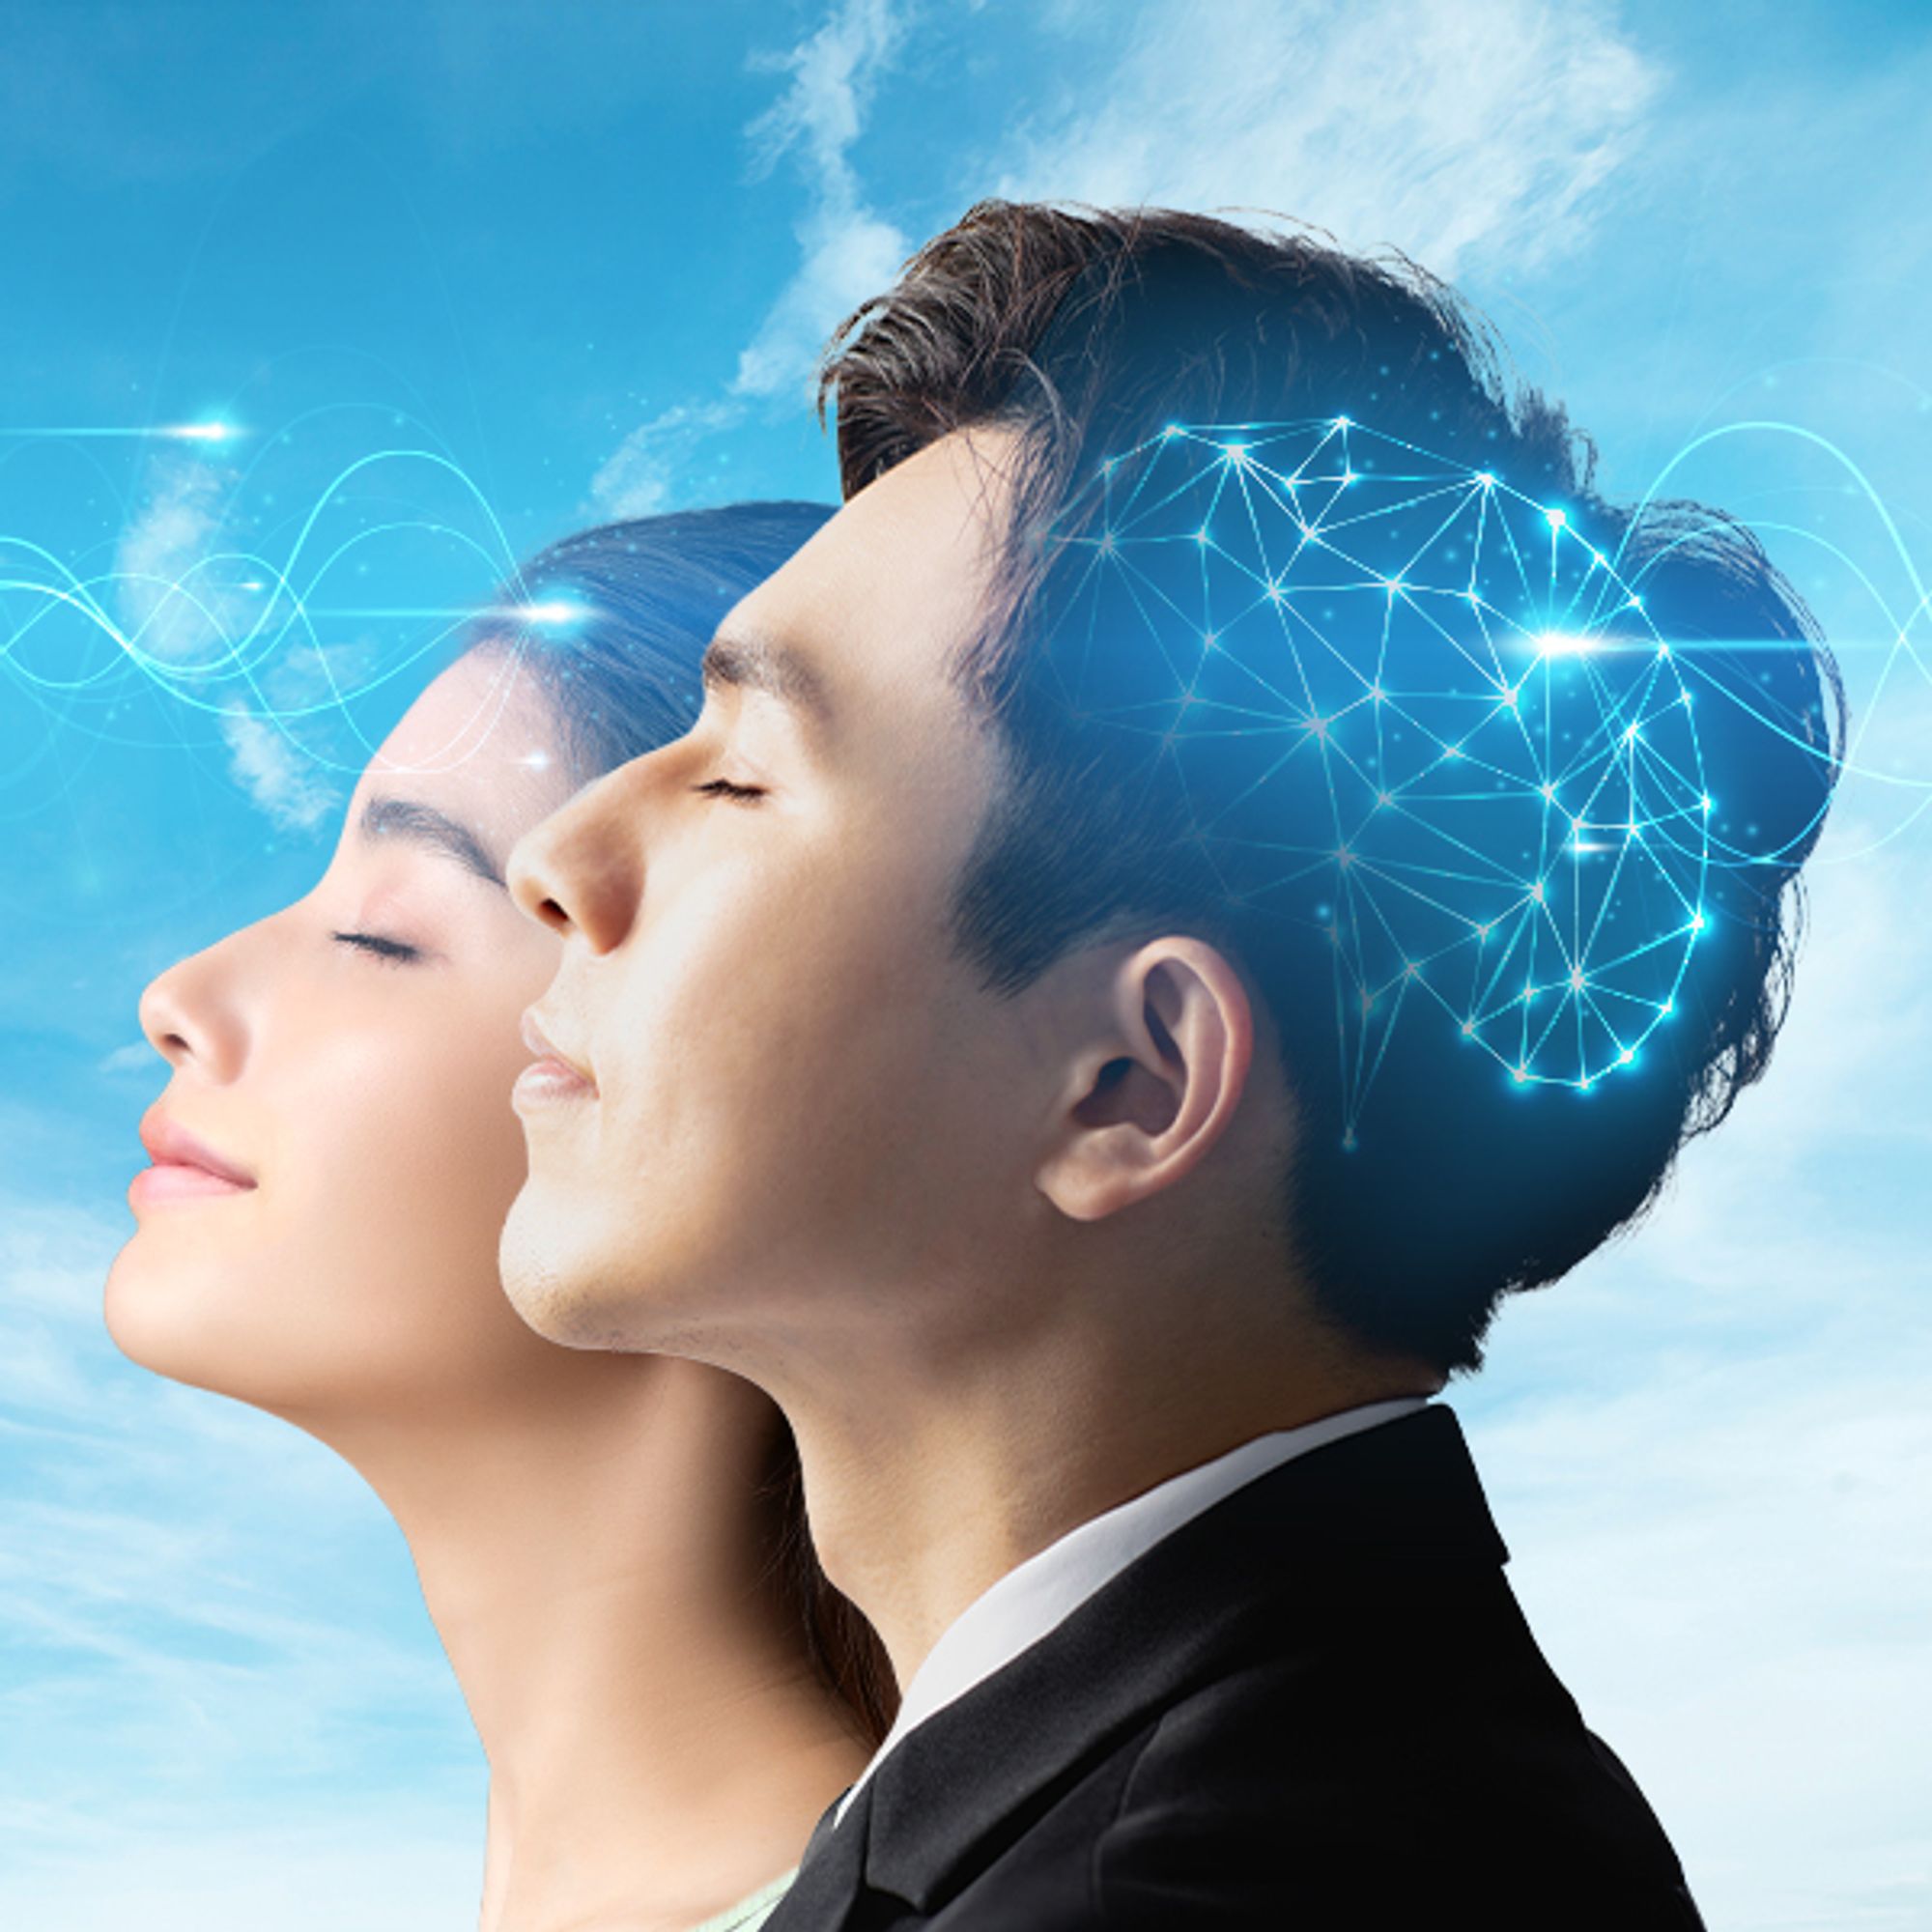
[
  {"x": 424, "y": 825},
  {"x": 755, "y": 663}
]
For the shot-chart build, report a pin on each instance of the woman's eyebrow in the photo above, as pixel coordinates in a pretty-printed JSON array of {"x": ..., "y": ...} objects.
[{"x": 423, "y": 825}]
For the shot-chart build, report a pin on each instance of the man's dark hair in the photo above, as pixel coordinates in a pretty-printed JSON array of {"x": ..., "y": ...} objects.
[{"x": 1085, "y": 331}]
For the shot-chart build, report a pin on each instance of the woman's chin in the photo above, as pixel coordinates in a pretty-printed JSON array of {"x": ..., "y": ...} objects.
[{"x": 177, "y": 1328}]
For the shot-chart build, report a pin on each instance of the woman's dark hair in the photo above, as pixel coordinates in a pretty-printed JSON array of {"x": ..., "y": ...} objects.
[
  {"x": 1083, "y": 332},
  {"x": 612, "y": 623}
]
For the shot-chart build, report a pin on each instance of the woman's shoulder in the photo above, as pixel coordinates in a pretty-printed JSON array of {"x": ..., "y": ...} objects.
[{"x": 749, "y": 1913}]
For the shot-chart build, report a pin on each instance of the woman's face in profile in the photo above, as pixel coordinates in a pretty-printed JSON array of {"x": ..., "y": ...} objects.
[{"x": 335, "y": 1152}]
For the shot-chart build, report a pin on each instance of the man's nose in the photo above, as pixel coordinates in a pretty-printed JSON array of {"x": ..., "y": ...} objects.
[{"x": 581, "y": 870}]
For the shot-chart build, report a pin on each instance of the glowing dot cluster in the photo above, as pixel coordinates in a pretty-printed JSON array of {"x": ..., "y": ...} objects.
[{"x": 1416, "y": 710}]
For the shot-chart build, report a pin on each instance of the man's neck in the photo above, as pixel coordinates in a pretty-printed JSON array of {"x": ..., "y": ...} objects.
[{"x": 963, "y": 1462}]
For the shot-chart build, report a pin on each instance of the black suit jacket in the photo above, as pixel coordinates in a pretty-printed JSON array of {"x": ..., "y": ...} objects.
[{"x": 1316, "y": 1705}]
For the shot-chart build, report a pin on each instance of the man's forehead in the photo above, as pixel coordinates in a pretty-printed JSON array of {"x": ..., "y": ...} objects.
[{"x": 913, "y": 549}]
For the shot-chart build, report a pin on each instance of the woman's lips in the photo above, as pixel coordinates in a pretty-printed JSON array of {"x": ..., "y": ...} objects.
[
  {"x": 185, "y": 1168},
  {"x": 175, "y": 1181},
  {"x": 550, "y": 1077}
]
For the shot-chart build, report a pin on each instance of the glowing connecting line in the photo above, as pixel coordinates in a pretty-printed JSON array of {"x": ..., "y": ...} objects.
[
  {"x": 1442, "y": 730},
  {"x": 193, "y": 432},
  {"x": 279, "y": 662}
]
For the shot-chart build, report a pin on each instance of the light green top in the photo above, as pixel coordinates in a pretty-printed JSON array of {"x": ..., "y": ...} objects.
[{"x": 749, "y": 1913}]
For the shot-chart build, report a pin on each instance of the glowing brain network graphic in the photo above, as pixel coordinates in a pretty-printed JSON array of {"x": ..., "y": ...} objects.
[{"x": 1447, "y": 734}]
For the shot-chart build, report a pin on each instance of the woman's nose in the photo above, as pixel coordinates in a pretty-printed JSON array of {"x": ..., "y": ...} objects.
[
  {"x": 581, "y": 870},
  {"x": 191, "y": 1013}
]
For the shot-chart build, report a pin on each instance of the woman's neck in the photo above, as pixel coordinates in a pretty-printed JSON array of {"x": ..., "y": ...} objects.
[{"x": 659, "y": 1743}]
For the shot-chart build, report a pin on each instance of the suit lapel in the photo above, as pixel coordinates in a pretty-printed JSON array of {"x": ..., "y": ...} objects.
[{"x": 831, "y": 1875}]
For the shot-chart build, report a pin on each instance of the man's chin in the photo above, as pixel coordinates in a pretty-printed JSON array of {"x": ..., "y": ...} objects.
[{"x": 557, "y": 1286}]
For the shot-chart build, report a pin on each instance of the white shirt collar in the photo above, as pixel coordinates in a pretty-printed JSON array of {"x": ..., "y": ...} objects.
[{"x": 1038, "y": 1595}]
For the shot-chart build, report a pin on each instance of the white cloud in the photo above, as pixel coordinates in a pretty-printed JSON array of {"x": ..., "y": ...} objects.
[
  {"x": 1455, "y": 130},
  {"x": 187, "y": 599},
  {"x": 1463, "y": 131},
  {"x": 317, "y": 676},
  {"x": 174, "y": 601},
  {"x": 846, "y": 253},
  {"x": 849, "y": 252},
  {"x": 643, "y": 475},
  {"x": 409, "y": 1868},
  {"x": 1725, "y": 1561},
  {"x": 269, "y": 768}
]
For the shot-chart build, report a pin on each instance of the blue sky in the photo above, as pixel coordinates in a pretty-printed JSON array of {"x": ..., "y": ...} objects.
[{"x": 567, "y": 263}]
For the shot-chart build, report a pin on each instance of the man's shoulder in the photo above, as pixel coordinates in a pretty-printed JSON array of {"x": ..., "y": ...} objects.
[{"x": 1387, "y": 1795}]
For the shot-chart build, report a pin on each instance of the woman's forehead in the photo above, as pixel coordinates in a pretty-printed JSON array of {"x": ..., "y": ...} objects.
[{"x": 481, "y": 739}]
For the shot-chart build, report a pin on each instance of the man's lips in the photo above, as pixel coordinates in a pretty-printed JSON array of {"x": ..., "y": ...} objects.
[
  {"x": 550, "y": 1077},
  {"x": 184, "y": 1167}
]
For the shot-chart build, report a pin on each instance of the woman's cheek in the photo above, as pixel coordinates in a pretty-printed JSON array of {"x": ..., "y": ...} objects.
[
  {"x": 422, "y": 1110},
  {"x": 403, "y": 1159}
]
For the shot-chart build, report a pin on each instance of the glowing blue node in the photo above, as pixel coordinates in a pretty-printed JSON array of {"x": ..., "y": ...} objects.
[{"x": 555, "y": 612}]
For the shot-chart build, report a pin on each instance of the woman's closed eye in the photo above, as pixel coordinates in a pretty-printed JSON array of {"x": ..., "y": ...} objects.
[
  {"x": 396, "y": 952},
  {"x": 726, "y": 788}
]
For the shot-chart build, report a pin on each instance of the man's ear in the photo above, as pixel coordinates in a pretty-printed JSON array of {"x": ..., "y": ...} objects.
[{"x": 1159, "y": 1084}]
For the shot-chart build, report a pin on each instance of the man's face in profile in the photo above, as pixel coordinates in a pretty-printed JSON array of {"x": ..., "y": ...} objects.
[{"x": 795, "y": 1093}]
